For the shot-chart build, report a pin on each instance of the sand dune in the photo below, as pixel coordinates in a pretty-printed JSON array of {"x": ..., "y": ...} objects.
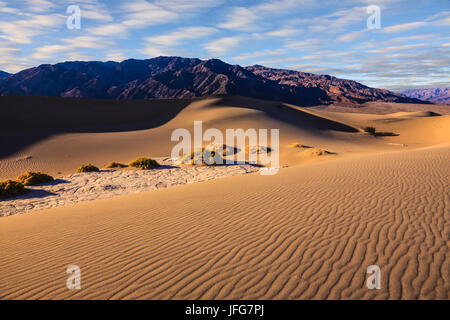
[
  {"x": 384, "y": 108},
  {"x": 100, "y": 131},
  {"x": 347, "y": 200},
  {"x": 308, "y": 232},
  {"x": 90, "y": 186},
  {"x": 60, "y": 153}
]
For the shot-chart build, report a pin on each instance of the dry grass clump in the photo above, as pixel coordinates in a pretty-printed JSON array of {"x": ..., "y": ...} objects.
[
  {"x": 10, "y": 188},
  {"x": 226, "y": 150},
  {"x": 144, "y": 163},
  {"x": 257, "y": 149},
  {"x": 297, "y": 145},
  {"x": 31, "y": 178},
  {"x": 370, "y": 130},
  {"x": 316, "y": 152},
  {"x": 115, "y": 165},
  {"x": 87, "y": 168},
  {"x": 191, "y": 158}
]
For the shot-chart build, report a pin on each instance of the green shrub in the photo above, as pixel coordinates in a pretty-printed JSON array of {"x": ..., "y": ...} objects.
[
  {"x": 11, "y": 188},
  {"x": 144, "y": 163},
  {"x": 370, "y": 130},
  {"x": 31, "y": 178},
  {"x": 87, "y": 168}
]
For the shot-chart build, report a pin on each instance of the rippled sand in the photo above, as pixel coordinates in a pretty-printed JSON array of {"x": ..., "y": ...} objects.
[{"x": 309, "y": 232}]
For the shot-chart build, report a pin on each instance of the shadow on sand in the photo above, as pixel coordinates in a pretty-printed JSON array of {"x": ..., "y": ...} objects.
[
  {"x": 26, "y": 120},
  {"x": 386, "y": 134}
]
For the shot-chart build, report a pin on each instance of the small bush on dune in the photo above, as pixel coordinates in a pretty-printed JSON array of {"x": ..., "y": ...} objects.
[
  {"x": 87, "y": 168},
  {"x": 370, "y": 130},
  {"x": 33, "y": 178},
  {"x": 316, "y": 152},
  {"x": 144, "y": 163},
  {"x": 297, "y": 145},
  {"x": 113, "y": 165},
  {"x": 196, "y": 154},
  {"x": 257, "y": 149},
  {"x": 226, "y": 150},
  {"x": 11, "y": 188}
]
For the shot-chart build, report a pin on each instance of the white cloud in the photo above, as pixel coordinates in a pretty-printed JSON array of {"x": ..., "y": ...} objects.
[
  {"x": 116, "y": 55},
  {"x": 189, "y": 5},
  {"x": 154, "y": 51},
  {"x": 95, "y": 12},
  {"x": 70, "y": 46},
  {"x": 222, "y": 46},
  {"x": 5, "y": 9},
  {"x": 142, "y": 14},
  {"x": 400, "y": 48},
  {"x": 242, "y": 19},
  {"x": 39, "y": 5},
  {"x": 22, "y": 31},
  {"x": 352, "y": 36},
  {"x": 249, "y": 18},
  {"x": 178, "y": 36},
  {"x": 135, "y": 15},
  {"x": 285, "y": 32},
  {"x": 259, "y": 54},
  {"x": 404, "y": 27},
  {"x": 307, "y": 44},
  {"x": 109, "y": 30}
]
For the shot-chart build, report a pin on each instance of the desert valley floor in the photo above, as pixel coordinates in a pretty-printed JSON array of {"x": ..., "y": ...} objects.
[{"x": 308, "y": 232}]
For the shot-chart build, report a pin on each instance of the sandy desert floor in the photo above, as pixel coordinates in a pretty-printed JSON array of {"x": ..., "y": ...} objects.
[
  {"x": 109, "y": 183},
  {"x": 308, "y": 232}
]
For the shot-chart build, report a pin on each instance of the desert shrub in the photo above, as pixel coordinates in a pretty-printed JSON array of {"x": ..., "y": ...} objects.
[
  {"x": 31, "y": 178},
  {"x": 196, "y": 154},
  {"x": 144, "y": 163},
  {"x": 113, "y": 165},
  {"x": 257, "y": 149},
  {"x": 226, "y": 150},
  {"x": 87, "y": 168},
  {"x": 316, "y": 152},
  {"x": 10, "y": 188},
  {"x": 297, "y": 145},
  {"x": 370, "y": 130}
]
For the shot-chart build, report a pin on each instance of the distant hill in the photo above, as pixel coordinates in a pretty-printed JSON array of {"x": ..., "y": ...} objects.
[
  {"x": 439, "y": 95},
  {"x": 4, "y": 74},
  {"x": 176, "y": 77}
]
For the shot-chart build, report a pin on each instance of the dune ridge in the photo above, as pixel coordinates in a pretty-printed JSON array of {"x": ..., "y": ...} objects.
[
  {"x": 308, "y": 232},
  {"x": 101, "y": 131}
]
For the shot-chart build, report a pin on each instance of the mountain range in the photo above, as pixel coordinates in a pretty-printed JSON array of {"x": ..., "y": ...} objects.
[
  {"x": 4, "y": 74},
  {"x": 438, "y": 95},
  {"x": 176, "y": 77}
]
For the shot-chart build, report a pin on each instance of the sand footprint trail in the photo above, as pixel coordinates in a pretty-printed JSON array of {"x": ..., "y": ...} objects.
[{"x": 308, "y": 232}]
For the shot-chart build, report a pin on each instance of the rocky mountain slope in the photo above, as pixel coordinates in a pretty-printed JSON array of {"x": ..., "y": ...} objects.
[
  {"x": 176, "y": 77},
  {"x": 439, "y": 95},
  {"x": 4, "y": 74}
]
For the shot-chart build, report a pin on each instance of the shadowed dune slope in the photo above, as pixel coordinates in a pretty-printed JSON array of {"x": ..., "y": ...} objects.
[
  {"x": 26, "y": 120},
  {"x": 309, "y": 232},
  {"x": 58, "y": 135}
]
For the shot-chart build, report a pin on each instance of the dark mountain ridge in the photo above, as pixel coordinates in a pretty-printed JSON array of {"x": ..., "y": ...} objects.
[
  {"x": 4, "y": 74},
  {"x": 177, "y": 77}
]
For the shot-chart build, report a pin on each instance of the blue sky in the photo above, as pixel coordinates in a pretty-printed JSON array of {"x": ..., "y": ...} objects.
[{"x": 411, "y": 50}]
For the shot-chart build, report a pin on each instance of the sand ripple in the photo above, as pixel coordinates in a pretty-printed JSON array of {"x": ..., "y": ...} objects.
[{"x": 309, "y": 232}]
